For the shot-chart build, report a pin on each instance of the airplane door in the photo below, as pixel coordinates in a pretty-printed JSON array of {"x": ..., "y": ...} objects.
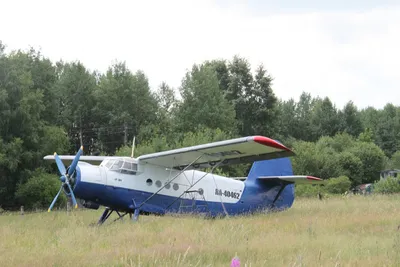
[{"x": 103, "y": 173}]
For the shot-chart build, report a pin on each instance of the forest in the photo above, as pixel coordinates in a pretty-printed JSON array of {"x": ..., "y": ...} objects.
[{"x": 58, "y": 106}]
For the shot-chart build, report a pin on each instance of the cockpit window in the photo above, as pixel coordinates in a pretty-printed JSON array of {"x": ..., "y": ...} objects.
[
  {"x": 117, "y": 164},
  {"x": 122, "y": 165},
  {"x": 127, "y": 165},
  {"x": 109, "y": 163}
]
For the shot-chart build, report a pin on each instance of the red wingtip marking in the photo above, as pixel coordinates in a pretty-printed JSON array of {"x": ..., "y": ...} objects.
[
  {"x": 314, "y": 178},
  {"x": 269, "y": 142}
]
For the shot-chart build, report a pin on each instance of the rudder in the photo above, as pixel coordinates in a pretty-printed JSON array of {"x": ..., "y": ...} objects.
[{"x": 278, "y": 195}]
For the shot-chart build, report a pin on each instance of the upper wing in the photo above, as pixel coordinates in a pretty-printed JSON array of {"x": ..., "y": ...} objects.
[
  {"x": 67, "y": 159},
  {"x": 297, "y": 179},
  {"x": 233, "y": 151}
]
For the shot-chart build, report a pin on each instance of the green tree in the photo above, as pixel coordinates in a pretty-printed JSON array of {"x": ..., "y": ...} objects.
[
  {"x": 324, "y": 118},
  {"x": 203, "y": 104},
  {"x": 388, "y": 130},
  {"x": 39, "y": 191},
  {"x": 340, "y": 155},
  {"x": 124, "y": 104},
  {"x": 367, "y": 136},
  {"x": 338, "y": 185},
  {"x": 346, "y": 163},
  {"x": 164, "y": 124},
  {"x": 370, "y": 118},
  {"x": 340, "y": 142},
  {"x": 44, "y": 77},
  {"x": 54, "y": 139},
  {"x": 166, "y": 97},
  {"x": 389, "y": 185},
  {"x": 372, "y": 158},
  {"x": 303, "y": 117},
  {"x": 2, "y": 48},
  {"x": 253, "y": 99},
  {"x": 75, "y": 88},
  {"x": 350, "y": 120},
  {"x": 395, "y": 161},
  {"x": 240, "y": 82},
  {"x": 351, "y": 166},
  {"x": 260, "y": 106},
  {"x": 288, "y": 121},
  {"x": 319, "y": 161},
  {"x": 223, "y": 75},
  {"x": 22, "y": 126}
]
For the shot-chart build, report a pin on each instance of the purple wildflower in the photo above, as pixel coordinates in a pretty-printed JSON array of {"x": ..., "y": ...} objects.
[{"x": 235, "y": 262}]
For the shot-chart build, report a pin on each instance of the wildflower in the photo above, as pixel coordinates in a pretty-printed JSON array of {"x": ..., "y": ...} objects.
[{"x": 235, "y": 262}]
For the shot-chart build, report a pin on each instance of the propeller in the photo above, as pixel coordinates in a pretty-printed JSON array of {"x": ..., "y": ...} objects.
[{"x": 66, "y": 176}]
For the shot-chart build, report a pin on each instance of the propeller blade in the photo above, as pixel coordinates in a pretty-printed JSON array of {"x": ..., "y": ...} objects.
[
  {"x": 60, "y": 165},
  {"x": 75, "y": 162},
  {"x": 73, "y": 196},
  {"x": 55, "y": 199}
]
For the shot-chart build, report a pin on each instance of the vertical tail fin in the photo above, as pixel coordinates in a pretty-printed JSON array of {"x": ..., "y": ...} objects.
[
  {"x": 279, "y": 167},
  {"x": 277, "y": 195}
]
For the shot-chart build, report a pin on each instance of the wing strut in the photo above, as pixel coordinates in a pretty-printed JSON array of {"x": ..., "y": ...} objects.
[
  {"x": 170, "y": 181},
  {"x": 220, "y": 197},
  {"x": 136, "y": 207},
  {"x": 213, "y": 168}
]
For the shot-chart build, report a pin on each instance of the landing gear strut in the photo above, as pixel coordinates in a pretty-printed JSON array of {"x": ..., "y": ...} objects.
[
  {"x": 283, "y": 185},
  {"x": 107, "y": 212}
]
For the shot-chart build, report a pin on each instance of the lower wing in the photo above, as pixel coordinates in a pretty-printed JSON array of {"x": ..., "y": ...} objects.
[{"x": 67, "y": 159}]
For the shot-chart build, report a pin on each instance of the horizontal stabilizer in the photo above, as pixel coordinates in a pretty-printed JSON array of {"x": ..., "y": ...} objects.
[{"x": 297, "y": 179}]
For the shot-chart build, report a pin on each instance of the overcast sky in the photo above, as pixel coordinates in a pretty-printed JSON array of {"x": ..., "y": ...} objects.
[{"x": 346, "y": 50}]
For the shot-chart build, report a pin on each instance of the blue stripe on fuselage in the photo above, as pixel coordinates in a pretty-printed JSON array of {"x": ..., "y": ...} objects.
[{"x": 255, "y": 197}]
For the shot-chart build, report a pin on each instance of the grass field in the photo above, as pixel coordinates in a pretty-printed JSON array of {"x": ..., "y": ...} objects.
[{"x": 353, "y": 231}]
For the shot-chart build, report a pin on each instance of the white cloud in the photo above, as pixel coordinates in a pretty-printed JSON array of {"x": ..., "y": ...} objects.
[{"x": 343, "y": 55}]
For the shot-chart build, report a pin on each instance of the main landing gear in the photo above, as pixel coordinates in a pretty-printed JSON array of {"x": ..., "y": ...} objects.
[{"x": 107, "y": 212}]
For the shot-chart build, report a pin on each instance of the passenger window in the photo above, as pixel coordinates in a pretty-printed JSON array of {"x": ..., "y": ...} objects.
[{"x": 201, "y": 191}]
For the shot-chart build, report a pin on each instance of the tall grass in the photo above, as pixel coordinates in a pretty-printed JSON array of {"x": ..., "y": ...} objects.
[{"x": 351, "y": 231}]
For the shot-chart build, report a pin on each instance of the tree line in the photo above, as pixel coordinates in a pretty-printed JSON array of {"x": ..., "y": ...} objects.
[{"x": 58, "y": 106}]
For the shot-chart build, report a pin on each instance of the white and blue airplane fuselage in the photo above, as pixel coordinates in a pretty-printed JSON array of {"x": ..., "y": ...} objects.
[{"x": 173, "y": 182}]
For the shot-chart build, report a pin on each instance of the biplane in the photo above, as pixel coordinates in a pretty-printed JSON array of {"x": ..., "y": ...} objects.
[{"x": 183, "y": 180}]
